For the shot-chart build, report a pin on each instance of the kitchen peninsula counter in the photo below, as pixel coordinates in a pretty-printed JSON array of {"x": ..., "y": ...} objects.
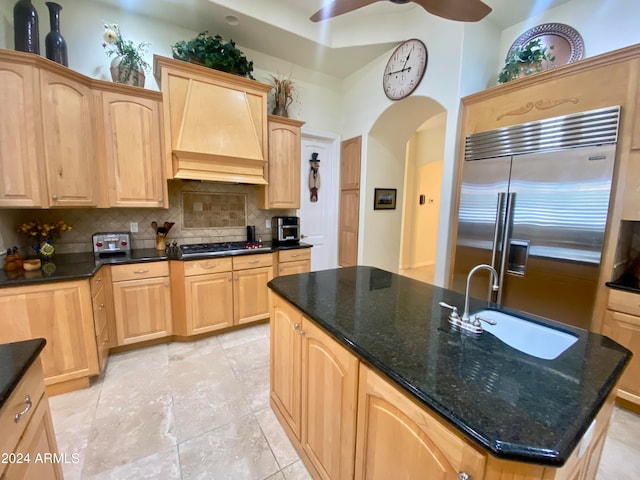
[{"x": 515, "y": 406}]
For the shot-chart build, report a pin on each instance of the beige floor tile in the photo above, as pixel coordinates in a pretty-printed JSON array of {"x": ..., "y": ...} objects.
[
  {"x": 235, "y": 451},
  {"x": 205, "y": 346},
  {"x": 249, "y": 356},
  {"x": 163, "y": 465},
  {"x": 278, "y": 441},
  {"x": 296, "y": 471},
  {"x": 255, "y": 385},
  {"x": 241, "y": 336}
]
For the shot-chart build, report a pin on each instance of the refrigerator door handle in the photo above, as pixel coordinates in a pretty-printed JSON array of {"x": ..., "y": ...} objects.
[
  {"x": 496, "y": 236},
  {"x": 506, "y": 238}
]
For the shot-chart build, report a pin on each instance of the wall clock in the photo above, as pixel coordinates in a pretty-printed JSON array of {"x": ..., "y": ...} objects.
[{"x": 405, "y": 68}]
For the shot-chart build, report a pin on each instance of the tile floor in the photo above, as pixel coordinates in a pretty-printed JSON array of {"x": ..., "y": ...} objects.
[
  {"x": 424, "y": 274},
  {"x": 201, "y": 410}
]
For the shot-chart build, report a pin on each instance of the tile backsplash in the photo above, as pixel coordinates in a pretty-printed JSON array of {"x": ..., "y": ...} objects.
[{"x": 86, "y": 221}]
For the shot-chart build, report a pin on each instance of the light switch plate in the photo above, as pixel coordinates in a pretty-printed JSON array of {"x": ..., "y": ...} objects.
[{"x": 133, "y": 227}]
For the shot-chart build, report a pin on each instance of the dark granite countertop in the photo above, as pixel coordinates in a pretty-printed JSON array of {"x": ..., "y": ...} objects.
[
  {"x": 15, "y": 360},
  {"x": 74, "y": 266},
  {"x": 516, "y": 406},
  {"x": 626, "y": 282}
]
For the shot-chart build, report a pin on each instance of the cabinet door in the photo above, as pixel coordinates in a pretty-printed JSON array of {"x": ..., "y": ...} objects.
[
  {"x": 251, "y": 294},
  {"x": 68, "y": 135},
  {"x": 289, "y": 268},
  {"x": 209, "y": 302},
  {"x": 61, "y": 313},
  {"x": 285, "y": 362},
  {"x": 329, "y": 399},
  {"x": 398, "y": 439},
  {"x": 20, "y": 172},
  {"x": 625, "y": 329},
  {"x": 132, "y": 148},
  {"x": 283, "y": 190},
  {"x": 37, "y": 440},
  {"x": 142, "y": 309},
  {"x": 350, "y": 153},
  {"x": 348, "y": 229}
]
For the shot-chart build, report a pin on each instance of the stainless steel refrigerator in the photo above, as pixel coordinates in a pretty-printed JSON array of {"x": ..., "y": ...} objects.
[{"x": 533, "y": 204}]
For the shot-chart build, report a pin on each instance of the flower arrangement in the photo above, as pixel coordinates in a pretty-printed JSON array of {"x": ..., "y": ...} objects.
[
  {"x": 284, "y": 91},
  {"x": 38, "y": 231},
  {"x": 525, "y": 60},
  {"x": 131, "y": 56}
]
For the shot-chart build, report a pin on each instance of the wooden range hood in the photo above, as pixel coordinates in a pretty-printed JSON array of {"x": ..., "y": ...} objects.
[{"x": 215, "y": 123}]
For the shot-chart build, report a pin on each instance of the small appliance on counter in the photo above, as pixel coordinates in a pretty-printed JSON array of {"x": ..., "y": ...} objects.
[
  {"x": 108, "y": 244},
  {"x": 286, "y": 230}
]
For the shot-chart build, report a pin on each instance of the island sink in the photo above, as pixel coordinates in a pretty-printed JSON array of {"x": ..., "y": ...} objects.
[{"x": 526, "y": 336}]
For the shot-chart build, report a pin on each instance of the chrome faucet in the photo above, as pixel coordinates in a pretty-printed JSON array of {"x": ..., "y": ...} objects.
[{"x": 465, "y": 322}]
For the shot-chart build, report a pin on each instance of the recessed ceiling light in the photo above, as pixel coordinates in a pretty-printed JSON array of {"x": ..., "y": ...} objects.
[{"x": 232, "y": 20}]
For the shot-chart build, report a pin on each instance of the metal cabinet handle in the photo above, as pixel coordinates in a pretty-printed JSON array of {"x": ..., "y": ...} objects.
[
  {"x": 101, "y": 306},
  {"x": 464, "y": 476},
  {"x": 207, "y": 266},
  {"x": 98, "y": 280},
  {"x": 295, "y": 255},
  {"x": 301, "y": 332},
  {"x": 105, "y": 341},
  {"x": 141, "y": 271},
  {"x": 28, "y": 405},
  {"x": 254, "y": 262},
  {"x": 296, "y": 326},
  {"x": 54, "y": 197}
]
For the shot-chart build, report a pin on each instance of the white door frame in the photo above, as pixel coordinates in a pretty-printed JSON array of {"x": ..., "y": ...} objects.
[{"x": 333, "y": 195}]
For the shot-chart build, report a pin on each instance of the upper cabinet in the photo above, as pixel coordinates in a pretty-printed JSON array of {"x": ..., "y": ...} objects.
[
  {"x": 68, "y": 139},
  {"x": 131, "y": 145},
  {"x": 283, "y": 171},
  {"x": 19, "y": 186},
  {"x": 216, "y": 123}
]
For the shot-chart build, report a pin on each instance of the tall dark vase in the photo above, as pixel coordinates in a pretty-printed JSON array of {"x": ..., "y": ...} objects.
[
  {"x": 25, "y": 27},
  {"x": 55, "y": 45}
]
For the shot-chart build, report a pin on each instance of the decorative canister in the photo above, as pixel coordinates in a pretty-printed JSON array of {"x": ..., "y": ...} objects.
[
  {"x": 25, "y": 27},
  {"x": 56, "y": 47}
]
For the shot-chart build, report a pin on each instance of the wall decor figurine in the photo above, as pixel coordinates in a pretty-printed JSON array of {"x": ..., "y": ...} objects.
[{"x": 314, "y": 177}]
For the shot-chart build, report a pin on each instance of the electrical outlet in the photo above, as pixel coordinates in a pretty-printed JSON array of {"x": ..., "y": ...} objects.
[
  {"x": 133, "y": 227},
  {"x": 267, "y": 224}
]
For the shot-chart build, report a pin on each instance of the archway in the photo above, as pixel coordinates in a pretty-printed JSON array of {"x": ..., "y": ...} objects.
[{"x": 385, "y": 159}]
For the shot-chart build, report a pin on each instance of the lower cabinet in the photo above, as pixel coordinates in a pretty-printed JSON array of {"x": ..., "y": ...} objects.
[
  {"x": 102, "y": 299},
  {"x": 31, "y": 436},
  {"x": 141, "y": 301},
  {"x": 622, "y": 324},
  {"x": 294, "y": 261},
  {"x": 251, "y": 273},
  {"x": 61, "y": 313},
  {"x": 398, "y": 439},
  {"x": 314, "y": 381}
]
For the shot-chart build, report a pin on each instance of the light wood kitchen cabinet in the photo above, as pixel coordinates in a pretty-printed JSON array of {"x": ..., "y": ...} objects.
[
  {"x": 202, "y": 295},
  {"x": 20, "y": 183},
  {"x": 398, "y": 439},
  {"x": 283, "y": 171},
  {"x": 314, "y": 389},
  {"x": 69, "y": 140},
  {"x": 251, "y": 273},
  {"x": 102, "y": 302},
  {"x": 294, "y": 261},
  {"x": 142, "y": 301},
  {"x": 350, "y": 153},
  {"x": 216, "y": 123},
  {"x": 622, "y": 324},
  {"x": 32, "y": 435},
  {"x": 349, "y": 215},
  {"x": 130, "y": 136},
  {"x": 60, "y": 312}
]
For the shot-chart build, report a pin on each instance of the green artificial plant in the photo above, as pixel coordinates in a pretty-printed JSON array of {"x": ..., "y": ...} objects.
[
  {"x": 525, "y": 60},
  {"x": 213, "y": 52}
]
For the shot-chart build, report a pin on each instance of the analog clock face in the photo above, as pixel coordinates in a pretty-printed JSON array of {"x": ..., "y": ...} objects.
[{"x": 405, "y": 69}]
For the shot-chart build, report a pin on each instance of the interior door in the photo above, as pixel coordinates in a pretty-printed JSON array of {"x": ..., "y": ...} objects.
[
  {"x": 560, "y": 206},
  {"x": 483, "y": 199}
]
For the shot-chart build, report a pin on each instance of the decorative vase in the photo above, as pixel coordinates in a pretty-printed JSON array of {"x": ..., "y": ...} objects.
[
  {"x": 282, "y": 103},
  {"x": 125, "y": 74},
  {"x": 44, "y": 249},
  {"x": 56, "y": 47},
  {"x": 25, "y": 27}
]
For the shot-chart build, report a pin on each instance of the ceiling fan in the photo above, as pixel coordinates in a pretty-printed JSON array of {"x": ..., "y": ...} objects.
[{"x": 460, "y": 10}]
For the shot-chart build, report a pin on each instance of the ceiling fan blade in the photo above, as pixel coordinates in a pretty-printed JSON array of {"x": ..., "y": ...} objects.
[
  {"x": 339, "y": 7},
  {"x": 460, "y": 10}
]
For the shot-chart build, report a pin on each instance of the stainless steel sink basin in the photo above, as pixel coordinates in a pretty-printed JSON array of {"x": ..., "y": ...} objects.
[{"x": 529, "y": 337}]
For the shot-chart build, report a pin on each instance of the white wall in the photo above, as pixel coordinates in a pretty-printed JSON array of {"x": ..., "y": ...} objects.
[{"x": 603, "y": 25}]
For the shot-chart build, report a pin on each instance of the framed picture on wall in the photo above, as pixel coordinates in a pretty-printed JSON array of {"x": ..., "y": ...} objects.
[{"x": 384, "y": 199}]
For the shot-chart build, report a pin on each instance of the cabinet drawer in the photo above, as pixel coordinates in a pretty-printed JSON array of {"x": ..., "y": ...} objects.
[
  {"x": 291, "y": 268},
  {"x": 626, "y": 302},
  {"x": 137, "y": 271},
  {"x": 294, "y": 255},
  {"x": 97, "y": 281},
  {"x": 209, "y": 265},
  {"x": 31, "y": 384},
  {"x": 252, "y": 261}
]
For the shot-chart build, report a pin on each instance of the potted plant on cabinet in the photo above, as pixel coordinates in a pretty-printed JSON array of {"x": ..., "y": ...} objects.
[
  {"x": 525, "y": 60},
  {"x": 129, "y": 64},
  {"x": 214, "y": 52}
]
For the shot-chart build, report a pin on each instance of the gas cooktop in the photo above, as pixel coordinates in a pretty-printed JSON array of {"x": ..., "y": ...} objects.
[{"x": 224, "y": 248}]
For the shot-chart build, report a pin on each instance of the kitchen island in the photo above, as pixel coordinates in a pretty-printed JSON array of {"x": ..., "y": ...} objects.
[{"x": 365, "y": 362}]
